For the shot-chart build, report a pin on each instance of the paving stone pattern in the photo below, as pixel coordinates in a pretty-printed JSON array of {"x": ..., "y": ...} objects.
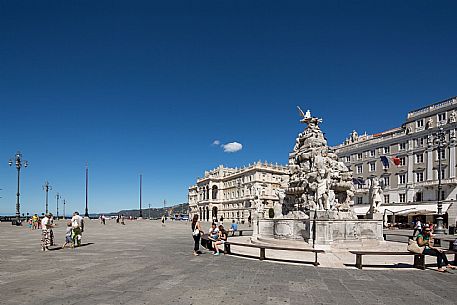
[{"x": 143, "y": 263}]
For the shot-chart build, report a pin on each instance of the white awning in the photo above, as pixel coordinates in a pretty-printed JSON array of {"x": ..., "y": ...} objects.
[{"x": 417, "y": 209}]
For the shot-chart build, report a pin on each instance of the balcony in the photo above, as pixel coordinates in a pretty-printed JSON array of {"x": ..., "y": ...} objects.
[{"x": 450, "y": 181}]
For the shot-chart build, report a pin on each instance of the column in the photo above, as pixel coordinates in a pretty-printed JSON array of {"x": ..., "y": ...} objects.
[
  {"x": 410, "y": 179},
  {"x": 429, "y": 164},
  {"x": 452, "y": 143}
]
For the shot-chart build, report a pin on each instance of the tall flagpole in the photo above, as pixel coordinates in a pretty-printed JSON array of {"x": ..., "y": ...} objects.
[
  {"x": 86, "y": 214},
  {"x": 141, "y": 183}
]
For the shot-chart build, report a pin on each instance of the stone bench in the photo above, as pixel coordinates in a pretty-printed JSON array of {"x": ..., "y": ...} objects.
[
  {"x": 262, "y": 248},
  {"x": 419, "y": 259},
  {"x": 240, "y": 232}
]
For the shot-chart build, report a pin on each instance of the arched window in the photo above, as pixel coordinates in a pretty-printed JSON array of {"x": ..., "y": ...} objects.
[
  {"x": 214, "y": 192},
  {"x": 214, "y": 212}
]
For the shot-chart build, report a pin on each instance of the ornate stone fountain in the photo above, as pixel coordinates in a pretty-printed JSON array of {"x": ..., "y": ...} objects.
[{"x": 315, "y": 202}]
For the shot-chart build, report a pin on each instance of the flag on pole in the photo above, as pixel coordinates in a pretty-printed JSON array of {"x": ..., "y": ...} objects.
[
  {"x": 385, "y": 161},
  {"x": 396, "y": 160}
]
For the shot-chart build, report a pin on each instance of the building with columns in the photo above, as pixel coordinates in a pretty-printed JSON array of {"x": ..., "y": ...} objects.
[
  {"x": 410, "y": 188},
  {"x": 229, "y": 192}
]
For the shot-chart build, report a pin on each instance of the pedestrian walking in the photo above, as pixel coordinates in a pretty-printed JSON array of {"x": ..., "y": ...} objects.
[
  {"x": 417, "y": 227},
  {"x": 46, "y": 233},
  {"x": 68, "y": 233},
  {"x": 77, "y": 224}
]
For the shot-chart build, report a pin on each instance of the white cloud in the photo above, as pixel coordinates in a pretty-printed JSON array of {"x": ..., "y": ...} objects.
[
  {"x": 232, "y": 147},
  {"x": 216, "y": 142}
]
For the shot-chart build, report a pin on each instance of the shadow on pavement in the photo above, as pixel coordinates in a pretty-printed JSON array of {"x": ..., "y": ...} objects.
[
  {"x": 60, "y": 248},
  {"x": 274, "y": 259}
]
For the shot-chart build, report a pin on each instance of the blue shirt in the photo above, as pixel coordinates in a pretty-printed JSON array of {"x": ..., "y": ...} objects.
[{"x": 234, "y": 227}]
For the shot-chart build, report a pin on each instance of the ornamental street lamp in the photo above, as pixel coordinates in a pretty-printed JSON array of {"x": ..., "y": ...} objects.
[
  {"x": 64, "y": 208},
  {"x": 18, "y": 162},
  {"x": 46, "y": 188},
  {"x": 57, "y": 197},
  {"x": 440, "y": 138}
]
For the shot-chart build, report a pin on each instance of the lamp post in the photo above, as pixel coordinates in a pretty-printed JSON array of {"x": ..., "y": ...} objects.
[
  {"x": 149, "y": 211},
  {"x": 86, "y": 214},
  {"x": 64, "y": 209},
  {"x": 57, "y": 197},
  {"x": 440, "y": 139},
  {"x": 141, "y": 186},
  {"x": 18, "y": 162},
  {"x": 46, "y": 188}
]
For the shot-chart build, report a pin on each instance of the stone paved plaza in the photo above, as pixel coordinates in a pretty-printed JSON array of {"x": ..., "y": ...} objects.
[{"x": 143, "y": 263}]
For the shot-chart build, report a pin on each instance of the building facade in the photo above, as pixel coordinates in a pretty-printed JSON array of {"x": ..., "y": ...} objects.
[
  {"x": 229, "y": 192},
  {"x": 412, "y": 185}
]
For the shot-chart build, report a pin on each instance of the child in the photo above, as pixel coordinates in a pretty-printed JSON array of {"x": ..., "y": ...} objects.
[{"x": 68, "y": 233}]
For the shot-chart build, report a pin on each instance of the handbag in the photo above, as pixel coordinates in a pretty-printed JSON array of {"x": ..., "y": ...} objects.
[
  {"x": 196, "y": 232},
  {"x": 414, "y": 247}
]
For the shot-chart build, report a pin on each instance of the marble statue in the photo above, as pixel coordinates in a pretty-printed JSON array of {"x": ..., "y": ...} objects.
[
  {"x": 452, "y": 117},
  {"x": 354, "y": 136},
  {"x": 376, "y": 196},
  {"x": 429, "y": 123}
]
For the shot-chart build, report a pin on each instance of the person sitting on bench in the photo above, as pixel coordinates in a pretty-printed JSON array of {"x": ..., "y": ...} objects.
[
  {"x": 213, "y": 236},
  {"x": 222, "y": 238},
  {"x": 423, "y": 240}
]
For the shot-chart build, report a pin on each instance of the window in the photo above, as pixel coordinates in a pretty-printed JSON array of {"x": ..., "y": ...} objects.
[
  {"x": 372, "y": 166},
  {"x": 359, "y": 156},
  {"x": 420, "y": 158},
  {"x": 443, "y": 174},
  {"x": 419, "y": 196},
  {"x": 442, "y": 117},
  {"x": 402, "y": 146},
  {"x": 372, "y": 153},
  {"x": 359, "y": 186},
  {"x": 386, "y": 198},
  {"x": 402, "y": 161},
  {"x": 386, "y": 180},
  {"x": 402, "y": 179},
  {"x": 359, "y": 200},
  {"x": 419, "y": 142},
  {"x": 420, "y": 123},
  {"x": 402, "y": 198},
  {"x": 420, "y": 177},
  {"x": 386, "y": 149},
  {"x": 348, "y": 158},
  {"x": 359, "y": 169},
  {"x": 443, "y": 154}
]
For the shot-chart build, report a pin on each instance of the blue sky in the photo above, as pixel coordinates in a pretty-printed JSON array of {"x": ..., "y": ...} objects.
[{"x": 147, "y": 86}]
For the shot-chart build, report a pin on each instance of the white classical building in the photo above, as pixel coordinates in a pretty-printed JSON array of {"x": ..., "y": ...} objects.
[
  {"x": 411, "y": 187},
  {"x": 228, "y": 192}
]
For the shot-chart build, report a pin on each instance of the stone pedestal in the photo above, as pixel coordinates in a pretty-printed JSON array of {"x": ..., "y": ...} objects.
[{"x": 321, "y": 231}]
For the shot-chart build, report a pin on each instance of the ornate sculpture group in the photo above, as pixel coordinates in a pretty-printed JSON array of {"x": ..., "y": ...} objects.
[{"x": 318, "y": 181}]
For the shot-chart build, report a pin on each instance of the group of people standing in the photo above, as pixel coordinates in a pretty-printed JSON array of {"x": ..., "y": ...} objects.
[{"x": 73, "y": 234}]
